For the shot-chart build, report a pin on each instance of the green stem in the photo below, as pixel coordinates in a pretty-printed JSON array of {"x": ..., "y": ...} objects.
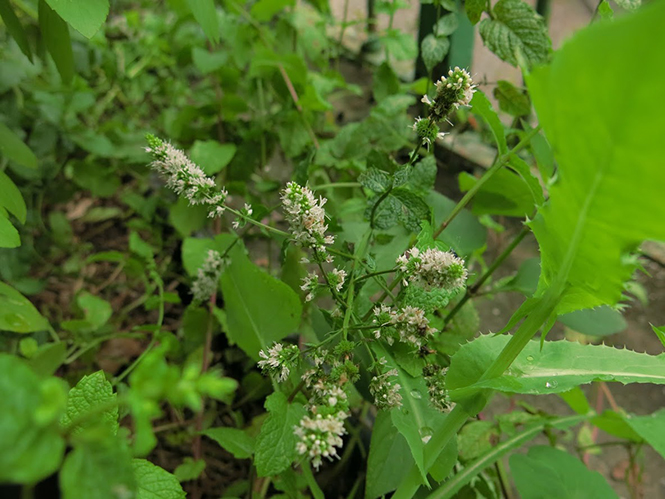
[
  {"x": 473, "y": 290},
  {"x": 314, "y": 488},
  {"x": 500, "y": 163}
]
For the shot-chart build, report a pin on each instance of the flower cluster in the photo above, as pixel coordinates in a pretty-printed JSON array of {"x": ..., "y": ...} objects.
[
  {"x": 279, "y": 360},
  {"x": 207, "y": 277},
  {"x": 435, "y": 379},
  {"x": 407, "y": 325},
  {"x": 452, "y": 91},
  {"x": 433, "y": 269},
  {"x": 306, "y": 217},
  {"x": 386, "y": 393},
  {"x": 320, "y": 431},
  {"x": 245, "y": 213},
  {"x": 186, "y": 178},
  {"x": 427, "y": 131}
]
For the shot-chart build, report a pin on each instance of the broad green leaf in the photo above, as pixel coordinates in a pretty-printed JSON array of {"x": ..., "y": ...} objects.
[
  {"x": 472, "y": 469},
  {"x": 651, "y": 428},
  {"x": 153, "y": 482},
  {"x": 102, "y": 469},
  {"x": 13, "y": 148},
  {"x": 549, "y": 472},
  {"x": 464, "y": 234},
  {"x": 9, "y": 236},
  {"x": 89, "y": 394},
  {"x": 374, "y": 179},
  {"x": 515, "y": 32},
  {"x": 558, "y": 367},
  {"x": 186, "y": 218},
  {"x": 260, "y": 309},
  {"x": 236, "y": 441},
  {"x": 511, "y": 99},
  {"x": 97, "y": 311},
  {"x": 482, "y": 106},
  {"x": 474, "y": 9},
  {"x": 48, "y": 358},
  {"x": 17, "y": 314},
  {"x": 55, "y": 33},
  {"x": 207, "y": 62},
  {"x": 276, "y": 443},
  {"x": 606, "y": 200},
  {"x": 189, "y": 469},
  {"x": 264, "y": 10},
  {"x": 389, "y": 458},
  {"x": 205, "y": 14},
  {"x": 600, "y": 321},
  {"x": 503, "y": 194},
  {"x": 446, "y": 25},
  {"x": 31, "y": 443},
  {"x": 195, "y": 250},
  {"x": 475, "y": 439},
  {"x": 14, "y": 27},
  {"x": 385, "y": 82},
  {"x": 85, "y": 16},
  {"x": 211, "y": 155},
  {"x": 433, "y": 50},
  {"x": 402, "y": 46}
]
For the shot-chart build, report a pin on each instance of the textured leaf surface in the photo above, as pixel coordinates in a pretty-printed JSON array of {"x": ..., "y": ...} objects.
[
  {"x": 93, "y": 391},
  {"x": 154, "y": 482},
  {"x": 433, "y": 49},
  {"x": 550, "y": 472},
  {"x": 474, "y": 9},
  {"x": 560, "y": 366},
  {"x": 516, "y": 31},
  {"x": 260, "y": 309},
  {"x": 30, "y": 450},
  {"x": 608, "y": 195},
  {"x": 276, "y": 443},
  {"x": 85, "y": 16}
]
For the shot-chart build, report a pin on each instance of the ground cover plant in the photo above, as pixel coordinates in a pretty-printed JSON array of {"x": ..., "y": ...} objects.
[{"x": 213, "y": 284}]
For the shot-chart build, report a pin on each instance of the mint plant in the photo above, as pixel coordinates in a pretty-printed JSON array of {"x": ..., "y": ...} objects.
[{"x": 293, "y": 297}]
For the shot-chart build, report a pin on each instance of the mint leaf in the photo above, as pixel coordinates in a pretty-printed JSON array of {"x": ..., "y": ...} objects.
[
  {"x": 92, "y": 392},
  {"x": 516, "y": 32},
  {"x": 17, "y": 314},
  {"x": 474, "y": 9},
  {"x": 276, "y": 443},
  {"x": 236, "y": 441},
  {"x": 85, "y": 16},
  {"x": 154, "y": 482},
  {"x": 433, "y": 49}
]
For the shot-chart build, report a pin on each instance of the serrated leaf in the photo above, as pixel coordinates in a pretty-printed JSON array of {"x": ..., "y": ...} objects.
[
  {"x": 511, "y": 100},
  {"x": 375, "y": 180},
  {"x": 85, "y": 16},
  {"x": 606, "y": 198},
  {"x": 260, "y": 309},
  {"x": 474, "y": 9},
  {"x": 433, "y": 50},
  {"x": 516, "y": 32},
  {"x": 17, "y": 314},
  {"x": 236, "y": 441},
  {"x": 31, "y": 451},
  {"x": 276, "y": 443},
  {"x": 558, "y": 367},
  {"x": 205, "y": 14},
  {"x": 13, "y": 148},
  {"x": 90, "y": 393},
  {"x": 100, "y": 469},
  {"x": 153, "y": 482},
  {"x": 14, "y": 28},
  {"x": 55, "y": 34},
  {"x": 563, "y": 476}
]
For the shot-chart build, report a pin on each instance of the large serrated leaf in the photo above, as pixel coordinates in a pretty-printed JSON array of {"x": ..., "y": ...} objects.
[
  {"x": 154, "y": 482},
  {"x": 607, "y": 199},
  {"x": 89, "y": 394},
  {"x": 276, "y": 444},
  {"x": 558, "y": 367},
  {"x": 516, "y": 32}
]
